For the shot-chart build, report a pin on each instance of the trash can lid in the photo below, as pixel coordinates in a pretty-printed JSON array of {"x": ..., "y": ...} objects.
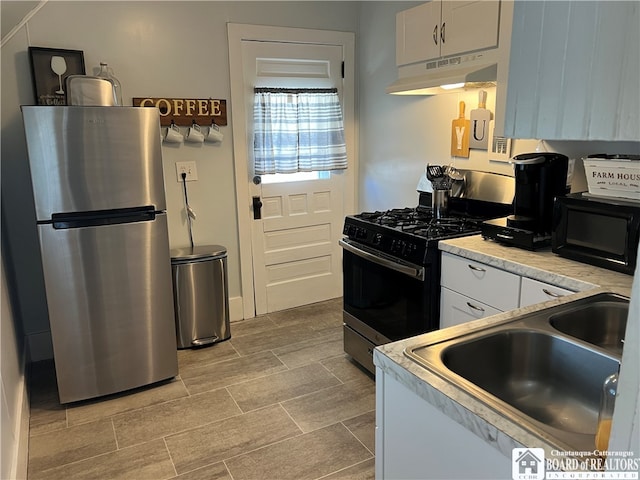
[{"x": 198, "y": 252}]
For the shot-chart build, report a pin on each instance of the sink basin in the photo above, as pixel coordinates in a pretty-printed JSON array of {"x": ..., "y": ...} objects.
[
  {"x": 602, "y": 324},
  {"x": 548, "y": 378},
  {"x": 544, "y": 370}
]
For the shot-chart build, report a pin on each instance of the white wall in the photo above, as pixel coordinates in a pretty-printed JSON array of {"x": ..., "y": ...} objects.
[
  {"x": 13, "y": 391},
  {"x": 157, "y": 49}
]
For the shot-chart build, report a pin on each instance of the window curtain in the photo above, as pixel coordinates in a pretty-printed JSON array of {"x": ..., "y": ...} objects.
[{"x": 298, "y": 130}]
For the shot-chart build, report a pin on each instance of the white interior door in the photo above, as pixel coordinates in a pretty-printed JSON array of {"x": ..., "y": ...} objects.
[{"x": 295, "y": 255}]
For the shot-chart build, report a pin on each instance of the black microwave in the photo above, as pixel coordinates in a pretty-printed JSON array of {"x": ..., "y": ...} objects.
[{"x": 599, "y": 231}]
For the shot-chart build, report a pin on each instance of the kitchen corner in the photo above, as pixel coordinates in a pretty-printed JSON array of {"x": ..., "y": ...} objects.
[{"x": 486, "y": 432}]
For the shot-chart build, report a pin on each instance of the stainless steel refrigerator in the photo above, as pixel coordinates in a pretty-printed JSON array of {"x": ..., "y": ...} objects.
[{"x": 101, "y": 218}]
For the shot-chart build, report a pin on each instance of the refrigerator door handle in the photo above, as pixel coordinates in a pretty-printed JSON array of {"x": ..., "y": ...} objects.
[{"x": 102, "y": 217}]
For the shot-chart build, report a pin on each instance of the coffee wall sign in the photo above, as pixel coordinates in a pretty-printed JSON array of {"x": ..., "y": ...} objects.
[{"x": 185, "y": 111}]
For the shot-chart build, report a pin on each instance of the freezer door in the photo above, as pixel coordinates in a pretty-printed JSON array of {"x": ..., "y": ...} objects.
[
  {"x": 94, "y": 158},
  {"x": 109, "y": 295}
]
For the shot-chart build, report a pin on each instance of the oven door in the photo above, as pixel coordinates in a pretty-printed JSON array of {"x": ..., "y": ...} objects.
[{"x": 387, "y": 296}]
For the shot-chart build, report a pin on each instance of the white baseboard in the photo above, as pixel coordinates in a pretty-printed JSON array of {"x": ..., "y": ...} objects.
[
  {"x": 20, "y": 456},
  {"x": 235, "y": 309}
]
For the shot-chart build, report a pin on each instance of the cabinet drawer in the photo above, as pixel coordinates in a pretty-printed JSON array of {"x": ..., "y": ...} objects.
[
  {"x": 488, "y": 285},
  {"x": 533, "y": 291},
  {"x": 456, "y": 309}
]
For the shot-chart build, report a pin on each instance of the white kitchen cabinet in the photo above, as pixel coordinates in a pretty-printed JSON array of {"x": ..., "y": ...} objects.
[
  {"x": 486, "y": 284},
  {"x": 444, "y": 28},
  {"x": 471, "y": 290},
  {"x": 456, "y": 308},
  {"x": 534, "y": 291},
  {"x": 416, "y": 440},
  {"x": 574, "y": 69}
]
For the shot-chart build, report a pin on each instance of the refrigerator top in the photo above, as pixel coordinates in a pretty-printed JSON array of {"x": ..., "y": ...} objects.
[{"x": 84, "y": 159}]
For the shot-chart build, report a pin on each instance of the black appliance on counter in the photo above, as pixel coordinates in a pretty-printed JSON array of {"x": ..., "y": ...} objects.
[
  {"x": 391, "y": 262},
  {"x": 540, "y": 177},
  {"x": 599, "y": 231}
]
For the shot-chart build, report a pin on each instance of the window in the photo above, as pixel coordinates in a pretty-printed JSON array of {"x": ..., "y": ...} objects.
[{"x": 298, "y": 130}]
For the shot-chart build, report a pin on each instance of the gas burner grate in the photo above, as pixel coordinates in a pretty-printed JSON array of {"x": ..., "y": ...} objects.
[
  {"x": 444, "y": 227},
  {"x": 397, "y": 217}
]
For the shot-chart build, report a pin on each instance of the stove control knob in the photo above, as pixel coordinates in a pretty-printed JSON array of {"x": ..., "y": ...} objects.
[{"x": 377, "y": 239}]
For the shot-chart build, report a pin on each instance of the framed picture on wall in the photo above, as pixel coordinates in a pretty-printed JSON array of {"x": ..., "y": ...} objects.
[{"x": 49, "y": 68}]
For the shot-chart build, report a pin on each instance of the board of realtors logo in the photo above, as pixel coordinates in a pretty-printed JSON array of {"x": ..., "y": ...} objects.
[{"x": 527, "y": 464}]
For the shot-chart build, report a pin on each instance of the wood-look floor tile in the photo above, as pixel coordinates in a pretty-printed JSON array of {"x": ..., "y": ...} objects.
[
  {"x": 308, "y": 456},
  {"x": 145, "y": 424},
  {"x": 70, "y": 445},
  {"x": 146, "y": 461},
  {"x": 45, "y": 418},
  {"x": 251, "y": 326},
  {"x": 362, "y": 471},
  {"x": 120, "y": 403},
  {"x": 281, "y": 386},
  {"x": 46, "y": 412},
  {"x": 217, "y": 471},
  {"x": 364, "y": 428},
  {"x": 228, "y": 438},
  {"x": 229, "y": 372},
  {"x": 312, "y": 350},
  {"x": 197, "y": 357},
  {"x": 331, "y": 405},
  {"x": 274, "y": 338},
  {"x": 346, "y": 369},
  {"x": 318, "y": 315}
]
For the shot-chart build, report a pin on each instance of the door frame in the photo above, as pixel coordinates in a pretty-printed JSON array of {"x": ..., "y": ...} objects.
[{"x": 236, "y": 34}]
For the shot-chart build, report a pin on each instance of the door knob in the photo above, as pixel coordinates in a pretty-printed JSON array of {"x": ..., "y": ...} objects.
[{"x": 257, "y": 205}]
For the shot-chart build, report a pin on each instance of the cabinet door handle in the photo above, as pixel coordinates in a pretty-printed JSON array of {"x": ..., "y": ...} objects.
[
  {"x": 477, "y": 269},
  {"x": 442, "y": 34},
  {"x": 435, "y": 34},
  {"x": 552, "y": 294},
  {"x": 479, "y": 309}
]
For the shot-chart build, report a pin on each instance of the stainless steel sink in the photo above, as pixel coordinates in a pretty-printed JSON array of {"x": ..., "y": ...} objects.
[
  {"x": 543, "y": 370},
  {"x": 601, "y": 323}
]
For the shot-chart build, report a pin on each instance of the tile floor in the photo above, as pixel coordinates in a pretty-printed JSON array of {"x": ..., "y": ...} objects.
[{"x": 279, "y": 400}]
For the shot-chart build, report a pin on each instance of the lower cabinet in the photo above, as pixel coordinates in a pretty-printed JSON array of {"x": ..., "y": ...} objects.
[
  {"x": 416, "y": 440},
  {"x": 471, "y": 290},
  {"x": 456, "y": 308},
  {"x": 534, "y": 291}
]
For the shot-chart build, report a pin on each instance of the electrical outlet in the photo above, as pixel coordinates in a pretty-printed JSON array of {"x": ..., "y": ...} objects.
[{"x": 189, "y": 168}]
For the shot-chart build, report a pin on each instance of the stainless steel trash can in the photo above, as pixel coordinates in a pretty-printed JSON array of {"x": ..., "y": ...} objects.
[{"x": 200, "y": 293}]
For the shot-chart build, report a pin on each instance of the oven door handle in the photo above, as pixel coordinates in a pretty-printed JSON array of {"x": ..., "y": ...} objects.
[{"x": 415, "y": 272}]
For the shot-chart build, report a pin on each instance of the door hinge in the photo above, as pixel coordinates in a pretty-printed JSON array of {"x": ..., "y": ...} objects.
[{"x": 343, "y": 69}]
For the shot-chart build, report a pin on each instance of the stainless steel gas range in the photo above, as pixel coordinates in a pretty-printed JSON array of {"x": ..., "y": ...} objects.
[{"x": 391, "y": 262}]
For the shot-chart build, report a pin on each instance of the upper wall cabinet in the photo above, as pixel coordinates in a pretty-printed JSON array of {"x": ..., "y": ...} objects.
[
  {"x": 574, "y": 71},
  {"x": 442, "y": 28}
]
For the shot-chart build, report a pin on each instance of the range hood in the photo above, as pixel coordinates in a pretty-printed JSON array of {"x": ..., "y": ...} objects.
[{"x": 455, "y": 72}]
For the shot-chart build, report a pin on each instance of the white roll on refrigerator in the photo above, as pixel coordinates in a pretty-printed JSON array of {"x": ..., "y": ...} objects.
[{"x": 101, "y": 217}]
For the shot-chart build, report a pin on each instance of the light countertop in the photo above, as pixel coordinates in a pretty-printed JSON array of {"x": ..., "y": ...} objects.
[{"x": 456, "y": 403}]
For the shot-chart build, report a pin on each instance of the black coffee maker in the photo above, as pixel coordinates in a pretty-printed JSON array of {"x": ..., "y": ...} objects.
[{"x": 539, "y": 178}]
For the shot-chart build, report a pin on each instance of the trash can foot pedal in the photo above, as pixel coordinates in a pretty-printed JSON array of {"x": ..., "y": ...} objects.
[{"x": 204, "y": 341}]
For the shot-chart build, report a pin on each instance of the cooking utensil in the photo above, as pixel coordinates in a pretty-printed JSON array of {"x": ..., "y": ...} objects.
[
  {"x": 480, "y": 118},
  {"x": 59, "y": 67},
  {"x": 434, "y": 172},
  {"x": 460, "y": 134}
]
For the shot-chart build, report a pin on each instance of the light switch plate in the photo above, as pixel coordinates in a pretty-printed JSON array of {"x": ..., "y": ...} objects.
[{"x": 189, "y": 168}]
